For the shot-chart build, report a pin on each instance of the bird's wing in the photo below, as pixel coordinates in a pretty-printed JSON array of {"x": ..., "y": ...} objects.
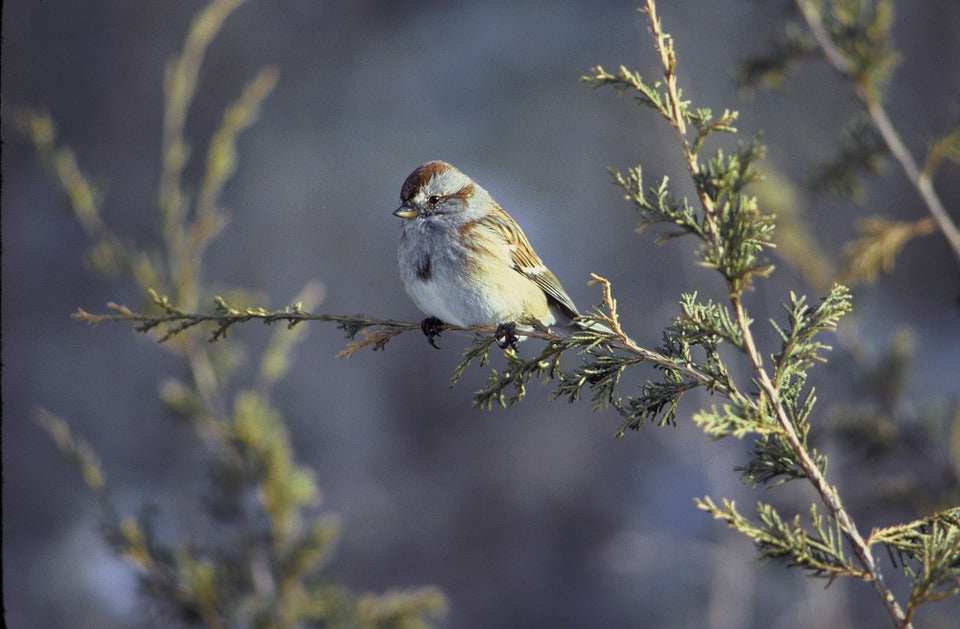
[{"x": 526, "y": 261}]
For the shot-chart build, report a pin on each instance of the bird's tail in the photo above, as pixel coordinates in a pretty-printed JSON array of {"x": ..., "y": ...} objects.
[{"x": 580, "y": 324}]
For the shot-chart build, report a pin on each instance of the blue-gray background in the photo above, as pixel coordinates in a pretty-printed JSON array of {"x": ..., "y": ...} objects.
[{"x": 531, "y": 516}]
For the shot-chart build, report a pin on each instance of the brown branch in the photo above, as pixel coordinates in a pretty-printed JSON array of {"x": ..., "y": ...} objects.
[{"x": 373, "y": 332}]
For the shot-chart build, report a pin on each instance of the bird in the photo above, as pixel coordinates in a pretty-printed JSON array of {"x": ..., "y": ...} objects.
[{"x": 465, "y": 261}]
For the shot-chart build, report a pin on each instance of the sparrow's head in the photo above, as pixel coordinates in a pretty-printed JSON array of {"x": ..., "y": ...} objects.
[{"x": 437, "y": 189}]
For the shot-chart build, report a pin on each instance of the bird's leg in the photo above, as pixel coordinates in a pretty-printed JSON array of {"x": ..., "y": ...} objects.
[
  {"x": 506, "y": 335},
  {"x": 431, "y": 329}
]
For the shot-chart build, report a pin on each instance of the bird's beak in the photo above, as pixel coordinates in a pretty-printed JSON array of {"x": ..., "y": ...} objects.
[{"x": 406, "y": 211}]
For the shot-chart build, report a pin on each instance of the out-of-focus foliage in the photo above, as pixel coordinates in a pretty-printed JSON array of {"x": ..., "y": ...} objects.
[
  {"x": 261, "y": 558},
  {"x": 267, "y": 504},
  {"x": 855, "y": 37}
]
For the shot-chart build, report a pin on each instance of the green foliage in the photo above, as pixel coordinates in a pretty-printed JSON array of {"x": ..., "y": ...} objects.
[
  {"x": 77, "y": 451},
  {"x": 946, "y": 147},
  {"x": 895, "y": 441},
  {"x": 860, "y": 34},
  {"x": 658, "y": 402},
  {"x": 601, "y": 372},
  {"x": 801, "y": 348},
  {"x": 732, "y": 230},
  {"x": 773, "y": 405},
  {"x": 854, "y": 36},
  {"x": 774, "y": 456},
  {"x": 861, "y": 152},
  {"x": 508, "y": 386},
  {"x": 818, "y": 550},
  {"x": 861, "y": 31},
  {"x": 700, "y": 325},
  {"x": 875, "y": 250},
  {"x": 260, "y": 559},
  {"x": 733, "y": 235},
  {"x": 928, "y": 551},
  {"x": 769, "y": 68}
]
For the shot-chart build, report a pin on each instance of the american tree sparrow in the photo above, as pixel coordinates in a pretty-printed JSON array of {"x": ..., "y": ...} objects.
[{"x": 465, "y": 261}]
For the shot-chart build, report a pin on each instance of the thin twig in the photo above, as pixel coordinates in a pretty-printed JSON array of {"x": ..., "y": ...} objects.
[
  {"x": 668, "y": 61},
  {"x": 177, "y": 321}
]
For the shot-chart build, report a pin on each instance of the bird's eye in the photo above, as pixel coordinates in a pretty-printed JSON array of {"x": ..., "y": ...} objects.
[{"x": 433, "y": 199}]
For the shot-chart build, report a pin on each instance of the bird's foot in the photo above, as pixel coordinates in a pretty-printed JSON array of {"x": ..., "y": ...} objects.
[
  {"x": 506, "y": 335},
  {"x": 431, "y": 329}
]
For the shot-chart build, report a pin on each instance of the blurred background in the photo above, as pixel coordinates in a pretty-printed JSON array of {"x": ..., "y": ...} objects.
[{"x": 530, "y": 516}]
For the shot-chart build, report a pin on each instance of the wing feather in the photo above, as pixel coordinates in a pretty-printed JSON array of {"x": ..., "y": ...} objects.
[{"x": 526, "y": 261}]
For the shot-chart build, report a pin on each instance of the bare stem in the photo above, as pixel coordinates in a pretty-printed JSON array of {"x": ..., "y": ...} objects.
[
  {"x": 177, "y": 321},
  {"x": 918, "y": 178}
]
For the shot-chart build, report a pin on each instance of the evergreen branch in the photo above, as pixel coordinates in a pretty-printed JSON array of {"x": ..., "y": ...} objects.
[
  {"x": 706, "y": 322},
  {"x": 731, "y": 228},
  {"x": 508, "y": 387},
  {"x": 933, "y": 544},
  {"x": 222, "y": 158},
  {"x": 607, "y": 352},
  {"x": 947, "y": 147},
  {"x": 77, "y": 451},
  {"x": 611, "y": 318},
  {"x": 738, "y": 420},
  {"x": 83, "y": 196},
  {"x": 814, "y": 473},
  {"x": 867, "y": 71},
  {"x": 477, "y": 352},
  {"x": 180, "y": 82},
  {"x": 656, "y": 400},
  {"x": 175, "y": 320},
  {"x": 819, "y": 551},
  {"x": 771, "y": 399},
  {"x": 664, "y": 45},
  {"x": 770, "y": 67},
  {"x": 261, "y": 562},
  {"x": 124, "y": 535},
  {"x": 110, "y": 253},
  {"x": 862, "y": 150},
  {"x": 707, "y": 124},
  {"x": 878, "y": 245},
  {"x": 606, "y": 355},
  {"x": 668, "y": 60},
  {"x": 646, "y": 96},
  {"x": 221, "y": 163},
  {"x": 908, "y": 538},
  {"x": 800, "y": 348},
  {"x": 377, "y": 332},
  {"x": 858, "y": 34},
  {"x": 654, "y": 206}
]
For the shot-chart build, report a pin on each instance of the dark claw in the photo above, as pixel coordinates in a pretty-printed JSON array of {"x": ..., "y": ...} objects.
[
  {"x": 506, "y": 335},
  {"x": 431, "y": 329}
]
